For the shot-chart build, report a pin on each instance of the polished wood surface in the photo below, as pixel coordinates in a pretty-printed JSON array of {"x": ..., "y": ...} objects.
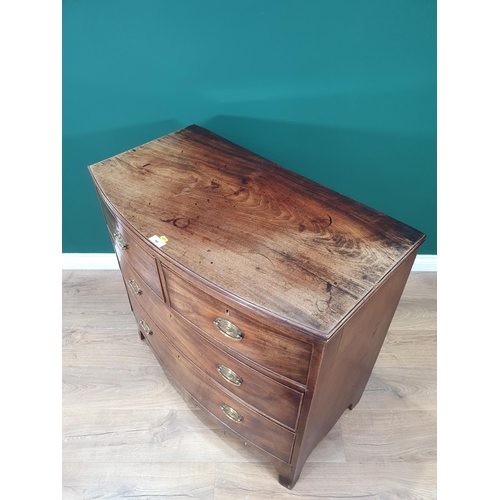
[
  {"x": 128, "y": 433},
  {"x": 266, "y": 235},
  {"x": 321, "y": 347}
]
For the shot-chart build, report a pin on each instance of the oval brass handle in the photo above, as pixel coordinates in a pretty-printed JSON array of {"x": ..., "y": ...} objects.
[
  {"x": 134, "y": 286},
  {"x": 228, "y": 329},
  {"x": 120, "y": 241},
  {"x": 145, "y": 327},
  {"x": 229, "y": 375},
  {"x": 231, "y": 413}
]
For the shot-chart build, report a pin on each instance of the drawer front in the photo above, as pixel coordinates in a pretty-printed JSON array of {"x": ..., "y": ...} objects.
[
  {"x": 262, "y": 342},
  {"x": 128, "y": 247},
  {"x": 276, "y": 400},
  {"x": 255, "y": 428}
]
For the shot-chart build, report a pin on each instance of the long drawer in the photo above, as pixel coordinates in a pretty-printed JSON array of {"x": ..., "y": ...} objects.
[
  {"x": 271, "y": 437},
  {"x": 128, "y": 246},
  {"x": 263, "y": 342},
  {"x": 269, "y": 396}
]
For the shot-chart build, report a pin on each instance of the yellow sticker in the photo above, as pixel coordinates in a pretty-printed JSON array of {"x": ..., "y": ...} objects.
[{"x": 164, "y": 238}]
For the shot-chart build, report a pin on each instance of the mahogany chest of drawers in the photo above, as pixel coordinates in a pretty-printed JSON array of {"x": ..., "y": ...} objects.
[{"x": 264, "y": 296}]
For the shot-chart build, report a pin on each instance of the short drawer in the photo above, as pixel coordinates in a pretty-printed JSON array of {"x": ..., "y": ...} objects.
[
  {"x": 130, "y": 248},
  {"x": 275, "y": 400},
  {"x": 137, "y": 289},
  {"x": 262, "y": 342}
]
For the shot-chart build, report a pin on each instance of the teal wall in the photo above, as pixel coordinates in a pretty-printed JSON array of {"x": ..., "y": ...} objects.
[{"x": 343, "y": 92}]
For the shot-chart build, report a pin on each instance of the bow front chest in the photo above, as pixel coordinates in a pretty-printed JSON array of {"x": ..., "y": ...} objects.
[{"x": 264, "y": 296}]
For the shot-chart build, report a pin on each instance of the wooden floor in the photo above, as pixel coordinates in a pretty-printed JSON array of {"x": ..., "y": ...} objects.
[{"x": 128, "y": 434}]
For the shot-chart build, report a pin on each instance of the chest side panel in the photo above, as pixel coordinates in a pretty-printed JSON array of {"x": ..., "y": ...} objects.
[{"x": 349, "y": 358}]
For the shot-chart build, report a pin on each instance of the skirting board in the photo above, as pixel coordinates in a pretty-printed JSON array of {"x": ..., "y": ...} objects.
[{"x": 104, "y": 261}]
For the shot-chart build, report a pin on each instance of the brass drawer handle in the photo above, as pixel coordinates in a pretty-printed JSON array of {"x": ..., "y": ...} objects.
[
  {"x": 134, "y": 286},
  {"x": 231, "y": 413},
  {"x": 229, "y": 375},
  {"x": 119, "y": 240},
  {"x": 145, "y": 327},
  {"x": 228, "y": 329}
]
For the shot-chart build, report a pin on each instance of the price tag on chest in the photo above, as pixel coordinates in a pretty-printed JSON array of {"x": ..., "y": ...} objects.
[{"x": 159, "y": 241}]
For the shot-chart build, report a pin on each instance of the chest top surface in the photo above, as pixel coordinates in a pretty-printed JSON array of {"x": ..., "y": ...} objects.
[{"x": 273, "y": 238}]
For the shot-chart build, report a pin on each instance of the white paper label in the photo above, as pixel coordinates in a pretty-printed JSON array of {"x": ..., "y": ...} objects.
[{"x": 157, "y": 241}]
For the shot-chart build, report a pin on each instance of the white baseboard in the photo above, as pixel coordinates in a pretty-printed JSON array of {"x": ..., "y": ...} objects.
[
  {"x": 100, "y": 261},
  {"x": 425, "y": 263}
]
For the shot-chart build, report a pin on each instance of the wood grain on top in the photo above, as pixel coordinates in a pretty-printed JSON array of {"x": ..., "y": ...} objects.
[{"x": 259, "y": 231}]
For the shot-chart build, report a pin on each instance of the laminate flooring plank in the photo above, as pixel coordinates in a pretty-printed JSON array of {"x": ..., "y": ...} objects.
[
  {"x": 100, "y": 387},
  {"x": 153, "y": 435},
  {"x": 105, "y": 347},
  {"x": 109, "y": 318},
  {"x": 417, "y": 308},
  {"x": 392, "y": 436},
  {"x": 138, "y": 481},
  {"x": 95, "y": 299},
  {"x": 414, "y": 315},
  {"x": 401, "y": 388},
  {"x": 381, "y": 481},
  {"x": 92, "y": 283},
  {"x": 409, "y": 348},
  {"x": 421, "y": 285}
]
